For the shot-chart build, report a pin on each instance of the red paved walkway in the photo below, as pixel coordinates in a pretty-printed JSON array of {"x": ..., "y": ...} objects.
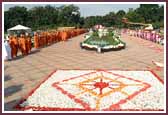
[{"x": 21, "y": 75}]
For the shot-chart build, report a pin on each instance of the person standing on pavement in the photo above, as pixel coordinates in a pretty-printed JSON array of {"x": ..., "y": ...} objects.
[
  {"x": 28, "y": 43},
  {"x": 12, "y": 46},
  {"x": 16, "y": 45},
  {"x": 7, "y": 50},
  {"x": 36, "y": 40},
  {"x": 22, "y": 44}
]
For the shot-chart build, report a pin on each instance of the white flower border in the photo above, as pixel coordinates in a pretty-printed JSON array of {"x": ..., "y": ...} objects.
[{"x": 105, "y": 47}]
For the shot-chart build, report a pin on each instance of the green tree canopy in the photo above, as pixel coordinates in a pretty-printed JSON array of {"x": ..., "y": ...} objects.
[
  {"x": 44, "y": 17},
  {"x": 14, "y": 16}
]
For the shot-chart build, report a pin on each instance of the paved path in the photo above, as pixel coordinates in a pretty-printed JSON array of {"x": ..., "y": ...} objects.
[{"x": 23, "y": 74}]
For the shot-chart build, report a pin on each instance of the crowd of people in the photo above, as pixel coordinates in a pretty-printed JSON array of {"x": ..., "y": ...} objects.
[
  {"x": 14, "y": 43},
  {"x": 25, "y": 42},
  {"x": 148, "y": 35},
  {"x": 44, "y": 38}
]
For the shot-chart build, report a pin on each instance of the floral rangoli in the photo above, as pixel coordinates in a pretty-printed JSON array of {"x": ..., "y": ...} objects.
[{"x": 97, "y": 90}]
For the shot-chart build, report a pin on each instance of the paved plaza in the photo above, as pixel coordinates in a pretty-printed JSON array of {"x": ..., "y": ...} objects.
[{"x": 23, "y": 74}]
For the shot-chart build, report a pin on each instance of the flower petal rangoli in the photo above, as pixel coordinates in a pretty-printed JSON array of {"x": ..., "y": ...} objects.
[{"x": 97, "y": 91}]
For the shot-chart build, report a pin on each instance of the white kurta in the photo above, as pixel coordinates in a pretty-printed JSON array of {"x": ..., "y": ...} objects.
[{"x": 7, "y": 51}]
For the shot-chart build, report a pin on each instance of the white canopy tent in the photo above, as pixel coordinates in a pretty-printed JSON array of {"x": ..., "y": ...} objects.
[{"x": 18, "y": 29}]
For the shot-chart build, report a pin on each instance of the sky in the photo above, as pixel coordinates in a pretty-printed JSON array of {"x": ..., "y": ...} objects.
[{"x": 85, "y": 9}]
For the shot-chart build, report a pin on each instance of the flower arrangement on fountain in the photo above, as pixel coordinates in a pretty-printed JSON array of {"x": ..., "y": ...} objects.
[{"x": 103, "y": 40}]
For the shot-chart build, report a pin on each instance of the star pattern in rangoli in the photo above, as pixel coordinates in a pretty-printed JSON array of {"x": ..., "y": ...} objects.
[{"x": 107, "y": 90}]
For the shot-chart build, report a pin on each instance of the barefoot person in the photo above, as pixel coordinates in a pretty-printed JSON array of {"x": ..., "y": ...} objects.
[
  {"x": 7, "y": 50},
  {"x": 22, "y": 44},
  {"x": 28, "y": 44},
  {"x": 36, "y": 40},
  {"x": 16, "y": 45},
  {"x": 12, "y": 46}
]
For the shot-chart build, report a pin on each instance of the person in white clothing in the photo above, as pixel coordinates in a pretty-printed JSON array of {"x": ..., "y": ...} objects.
[{"x": 7, "y": 50}]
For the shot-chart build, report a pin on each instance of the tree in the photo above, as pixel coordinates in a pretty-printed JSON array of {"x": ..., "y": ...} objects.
[
  {"x": 69, "y": 15},
  {"x": 81, "y": 22},
  {"x": 7, "y": 23},
  {"x": 133, "y": 16},
  {"x": 110, "y": 19},
  {"x": 120, "y": 14},
  {"x": 148, "y": 12},
  {"x": 89, "y": 21},
  {"x": 152, "y": 13},
  {"x": 43, "y": 16},
  {"x": 14, "y": 16},
  {"x": 37, "y": 15}
]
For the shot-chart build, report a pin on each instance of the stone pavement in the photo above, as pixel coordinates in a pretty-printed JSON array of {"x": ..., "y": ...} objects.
[{"x": 25, "y": 73}]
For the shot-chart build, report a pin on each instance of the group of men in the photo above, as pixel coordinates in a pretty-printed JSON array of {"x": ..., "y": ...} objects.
[
  {"x": 43, "y": 39},
  {"x": 13, "y": 44},
  {"x": 40, "y": 39},
  {"x": 148, "y": 35}
]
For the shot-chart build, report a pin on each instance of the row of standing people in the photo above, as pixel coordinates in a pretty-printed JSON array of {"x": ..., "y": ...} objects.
[
  {"x": 148, "y": 35},
  {"x": 46, "y": 38},
  {"x": 22, "y": 43}
]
